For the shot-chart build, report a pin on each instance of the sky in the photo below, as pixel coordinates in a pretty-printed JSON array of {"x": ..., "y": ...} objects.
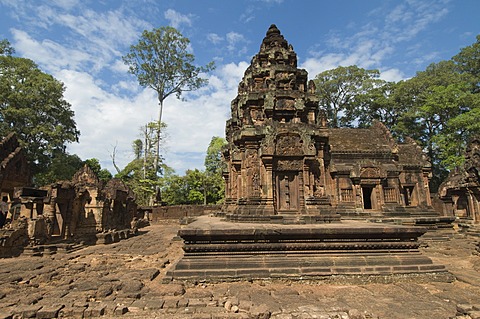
[{"x": 81, "y": 43}]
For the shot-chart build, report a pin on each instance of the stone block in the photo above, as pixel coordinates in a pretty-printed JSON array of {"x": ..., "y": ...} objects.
[
  {"x": 170, "y": 303},
  {"x": 48, "y": 312},
  {"x": 183, "y": 303},
  {"x": 154, "y": 304},
  {"x": 27, "y": 311},
  {"x": 72, "y": 312},
  {"x": 120, "y": 310},
  {"x": 463, "y": 309},
  {"x": 195, "y": 303}
]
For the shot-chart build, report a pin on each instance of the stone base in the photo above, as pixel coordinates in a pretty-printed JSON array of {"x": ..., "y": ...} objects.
[{"x": 216, "y": 250}]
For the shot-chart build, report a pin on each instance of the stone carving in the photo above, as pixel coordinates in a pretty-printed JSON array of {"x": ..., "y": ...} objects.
[
  {"x": 288, "y": 160},
  {"x": 289, "y": 145}
]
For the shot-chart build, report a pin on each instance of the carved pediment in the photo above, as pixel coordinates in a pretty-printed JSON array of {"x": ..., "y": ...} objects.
[{"x": 289, "y": 145}]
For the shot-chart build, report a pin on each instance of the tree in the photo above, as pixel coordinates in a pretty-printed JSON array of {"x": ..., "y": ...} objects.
[
  {"x": 342, "y": 92},
  {"x": 214, "y": 183},
  {"x": 61, "y": 167},
  {"x": 468, "y": 61},
  {"x": 32, "y": 105},
  {"x": 103, "y": 174},
  {"x": 140, "y": 174},
  {"x": 161, "y": 61},
  {"x": 6, "y": 48}
]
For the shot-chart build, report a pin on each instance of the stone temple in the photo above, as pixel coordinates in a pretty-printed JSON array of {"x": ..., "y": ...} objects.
[
  {"x": 293, "y": 186},
  {"x": 283, "y": 159}
]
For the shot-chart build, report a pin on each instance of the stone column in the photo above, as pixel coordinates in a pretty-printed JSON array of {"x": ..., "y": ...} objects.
[{"x": 268, "y": 164}]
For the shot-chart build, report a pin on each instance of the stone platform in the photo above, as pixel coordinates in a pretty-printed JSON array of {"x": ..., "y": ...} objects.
[{"x": 216, "y": 250}]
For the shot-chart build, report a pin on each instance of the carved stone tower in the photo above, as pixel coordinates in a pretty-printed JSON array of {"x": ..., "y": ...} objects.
[{"x": 276, "y": 137}]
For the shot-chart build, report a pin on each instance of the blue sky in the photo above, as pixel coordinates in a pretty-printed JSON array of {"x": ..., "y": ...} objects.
[{"x": 81, "y": 43}]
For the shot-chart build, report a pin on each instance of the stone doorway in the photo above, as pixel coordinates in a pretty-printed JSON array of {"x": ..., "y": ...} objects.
[
  {"x": 367, "y": 193},
  {"x": 287, "y": 192}
]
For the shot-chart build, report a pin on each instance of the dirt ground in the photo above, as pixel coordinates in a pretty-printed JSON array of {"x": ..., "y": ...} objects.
[{"x": 125, "y": 279}]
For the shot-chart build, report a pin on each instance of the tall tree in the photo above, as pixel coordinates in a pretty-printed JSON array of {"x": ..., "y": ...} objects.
[
  {"x": 33, "y": 106},
  {"x": 342, "y": 92},
  {"x": 161, "y": 61}
]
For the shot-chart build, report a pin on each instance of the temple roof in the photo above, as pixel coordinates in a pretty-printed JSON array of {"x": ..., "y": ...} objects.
[{"x": 358, "y": 140}]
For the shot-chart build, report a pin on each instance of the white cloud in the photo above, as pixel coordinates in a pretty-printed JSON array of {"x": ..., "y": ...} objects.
[
  {"x": 106, "y": 119},
  {"x": 49, "y": 54},
  {"x": 214, "y": 38},
  {"x": 177, "y": 19},
  {"x": 376, "y": 41},
  {"x": 236, "y": 43},
  {"x": 392, "y": 75}
]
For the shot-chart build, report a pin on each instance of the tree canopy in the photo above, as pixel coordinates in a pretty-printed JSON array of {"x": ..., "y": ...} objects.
[
  {"x": 161, "y": 61},
  {"x": 33, "y": 106},
  {"x": 342, "y": 92}
]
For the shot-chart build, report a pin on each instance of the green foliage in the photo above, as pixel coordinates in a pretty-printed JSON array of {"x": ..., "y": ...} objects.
[
  {"x": 32, "y": 105},
  {"x": 61, "y": 167},
  {"x": 343, "y": 92},
  {"x": 468, "y": 61},
  {"x": 6, "y": 48},
  {"x": 213, "y": 159},
  {"x": 103, "y": 175},
  {"x": 161, "y": 61},
  {"x": 188, "y": 189},
  {"x": 140, "y": 174}
]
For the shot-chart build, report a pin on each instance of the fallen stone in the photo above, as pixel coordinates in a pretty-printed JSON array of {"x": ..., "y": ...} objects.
[
  {"x": 170, "y": 290},
  {"x": 27, "y": 311},
  {"x": 154, "y": 304},
  {"x": 131, "y": 286},
  {"x": 355, "y": 314},
  {"x": 104, "y": 290},
  {"x": 463, "y": 309},
  {"x": 183, "y": 303},
  {"x": 48, "y": 312},
  {"x": 196, "y": 303},
  {"x": 170, "y": 303},
  {"x": 120, "y": 310}
]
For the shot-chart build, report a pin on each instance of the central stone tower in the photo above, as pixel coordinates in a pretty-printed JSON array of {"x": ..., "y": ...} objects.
[{"x": 276, "y": 137}]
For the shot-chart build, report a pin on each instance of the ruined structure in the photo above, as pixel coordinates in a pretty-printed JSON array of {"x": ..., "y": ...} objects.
[
  {"x": 86, "y": 209},
  {"x": 283, "y": 159},
  {"x": 14, "y": 170},
  {"x": 66, "y": 213},
  {"x": 290, "y": 177},
  {"x": 460, "y": 192}
]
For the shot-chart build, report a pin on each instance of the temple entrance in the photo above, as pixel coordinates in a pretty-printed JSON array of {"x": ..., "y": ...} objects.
[
  {"x": 287, "y": 192},
  {"x": 367, "y": 197}
]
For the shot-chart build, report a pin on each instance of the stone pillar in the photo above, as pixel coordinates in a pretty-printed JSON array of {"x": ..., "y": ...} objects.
[{"x": 268, "y": 164}]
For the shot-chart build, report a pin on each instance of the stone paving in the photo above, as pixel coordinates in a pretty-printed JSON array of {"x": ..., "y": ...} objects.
[{"x": 125, "y": 280}]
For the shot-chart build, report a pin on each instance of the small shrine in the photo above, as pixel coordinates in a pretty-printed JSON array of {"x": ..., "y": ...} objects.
[
  {"x": 290, "y": 180},
  {"x": 283, "y": 159},
  {"x": 460, "y": 192}
]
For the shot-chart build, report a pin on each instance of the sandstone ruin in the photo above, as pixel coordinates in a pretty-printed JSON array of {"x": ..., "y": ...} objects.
[
  {"x": 290, "y": 178},
  {"x": 460, "y": 192}
]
